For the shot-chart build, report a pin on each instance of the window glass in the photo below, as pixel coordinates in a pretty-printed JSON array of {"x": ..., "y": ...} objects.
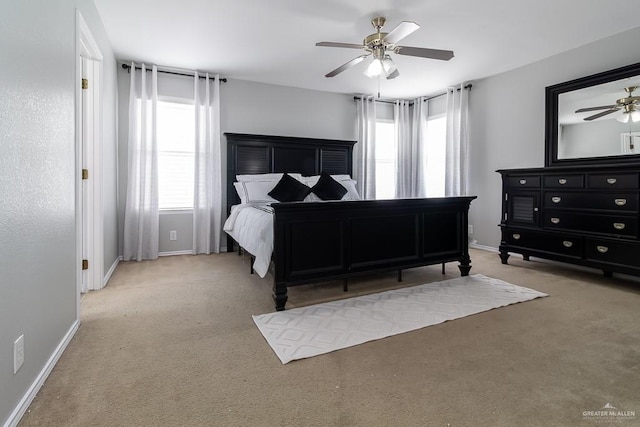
[{"x": 175, "y": 143}]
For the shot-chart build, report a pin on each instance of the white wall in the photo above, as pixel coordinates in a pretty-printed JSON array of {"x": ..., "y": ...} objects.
[
  {"x": 246, "y": 107},
  {"x": 507, "y": 120},
  {"x": 38, "y": 289}
]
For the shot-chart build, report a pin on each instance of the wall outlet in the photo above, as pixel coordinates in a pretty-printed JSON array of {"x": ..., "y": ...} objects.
[
  {"x": 173, "y": 235},
  {"x": 470, "y": 229},
  {"x": 18, "y": 353}
]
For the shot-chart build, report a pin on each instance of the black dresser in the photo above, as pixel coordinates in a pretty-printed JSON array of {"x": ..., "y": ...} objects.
[{"x": 581, "y": 215}]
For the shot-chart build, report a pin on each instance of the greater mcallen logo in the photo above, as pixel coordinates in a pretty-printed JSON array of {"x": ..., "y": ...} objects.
[{"x": 609, "y": 413}]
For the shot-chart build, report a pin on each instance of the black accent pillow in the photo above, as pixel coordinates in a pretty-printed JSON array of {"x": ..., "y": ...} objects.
[
  {"x": 289, "y": 189},
  {"x": 328, "y": 188}
]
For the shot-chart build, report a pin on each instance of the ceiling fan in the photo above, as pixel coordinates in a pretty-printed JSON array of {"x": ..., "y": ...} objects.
[
  {"x": 628, "y": 104},
  {"x": 380, "y": 44}
]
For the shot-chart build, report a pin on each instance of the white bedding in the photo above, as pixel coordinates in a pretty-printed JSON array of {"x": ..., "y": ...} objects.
[{"x": 251, "y": 226}]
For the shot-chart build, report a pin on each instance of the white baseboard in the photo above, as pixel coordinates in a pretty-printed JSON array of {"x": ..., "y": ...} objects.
[
  {"x": 222, "y": 250},
  {"x": 175, "y": 253},
  {"x": 26, "y": 400},
  {"x": 111, "y": 271},
  {"x": 483, "y": 247}
]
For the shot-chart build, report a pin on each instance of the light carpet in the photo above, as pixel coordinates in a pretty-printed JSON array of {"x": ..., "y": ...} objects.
[{"x": 318, "y": 329}]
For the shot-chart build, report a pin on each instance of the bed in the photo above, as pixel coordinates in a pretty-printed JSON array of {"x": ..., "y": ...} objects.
[{"x": 319, "y": 241}]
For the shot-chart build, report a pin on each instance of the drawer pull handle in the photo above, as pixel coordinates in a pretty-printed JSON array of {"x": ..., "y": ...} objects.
[
  {"x": 567, "y": 244},
  {"x": 621, "y": 202},
  {"x": 523, "y": 181},
  {"x": 602, "y": 249},
  {"x": 618, "y": 225},
  {"x": 555, "y": 220},
  {"x": 556, "y": 199},
  {"x": 516, "y": 236},
  {"x": 611, "y": 181},
  {"x": 562, "y": 181}
]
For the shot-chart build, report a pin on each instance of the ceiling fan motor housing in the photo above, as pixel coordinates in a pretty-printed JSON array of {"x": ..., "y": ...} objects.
[{"x": 374, "y": 40}]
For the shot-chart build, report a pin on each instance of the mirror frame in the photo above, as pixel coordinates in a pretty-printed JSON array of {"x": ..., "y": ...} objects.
[{"x": 551, "y": 118}]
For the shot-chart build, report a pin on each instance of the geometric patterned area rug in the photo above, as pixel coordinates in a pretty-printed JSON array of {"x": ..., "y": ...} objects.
[{"x": 318, "y": 329}]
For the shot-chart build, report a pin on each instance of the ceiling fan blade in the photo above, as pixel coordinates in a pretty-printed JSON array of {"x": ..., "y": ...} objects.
[
  {"x": 604, "y": 113},
  {"x": 393, "y": 75},
  {"x": 334, "y": 44},
  {"x": 604, "y": 107},
  {"x": 401, "y": 31},
  {"x": 422, "y": 52},
  {"x": 347, "y": 65}
]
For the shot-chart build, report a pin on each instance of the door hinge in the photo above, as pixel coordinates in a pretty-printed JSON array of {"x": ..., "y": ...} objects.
[
  {"x": 85, "y": 173},
  {"x": 85, "y": 264},
  {"x": 85, "y": 84}
]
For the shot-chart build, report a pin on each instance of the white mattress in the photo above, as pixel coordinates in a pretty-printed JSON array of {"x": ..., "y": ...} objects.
[{"x": 252, "y": 227}]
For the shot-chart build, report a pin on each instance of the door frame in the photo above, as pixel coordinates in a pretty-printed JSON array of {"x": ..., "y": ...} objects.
[{"x": 89, "y": 156}]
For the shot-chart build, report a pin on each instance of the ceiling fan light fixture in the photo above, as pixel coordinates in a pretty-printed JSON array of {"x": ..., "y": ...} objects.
[
  {"x": 375, "y": 69},
  {"x": 389, "y": 65},
  {"x": 630, "y": 113},
  {"x": 381, "y": 67},
  {"x": 623, "y": 118}
]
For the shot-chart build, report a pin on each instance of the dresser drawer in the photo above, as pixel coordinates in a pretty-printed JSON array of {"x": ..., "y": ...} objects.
[
  {"x": 523, "y": 181},
  {"x": 614, "y": 225},
  {"x": 622, "y": 253},
  {"x": 613, "y": 180},
  {"x": 615, "y": 202},
  {"x": 564, "y": 181},
  {"x": 544, "y": 241}
]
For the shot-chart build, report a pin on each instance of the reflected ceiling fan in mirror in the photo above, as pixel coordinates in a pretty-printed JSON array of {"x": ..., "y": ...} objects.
[
  {"x": 628, "y": 105},
  {"x": 379, "y": 45}
]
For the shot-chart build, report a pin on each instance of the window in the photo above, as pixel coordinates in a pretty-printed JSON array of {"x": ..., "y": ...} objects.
[
  {"x": 436, "y": 155},
  {"x": 385, "y": 160},
  {"x": 176, "y": 143},
  {"x": 386, "y": 157}
]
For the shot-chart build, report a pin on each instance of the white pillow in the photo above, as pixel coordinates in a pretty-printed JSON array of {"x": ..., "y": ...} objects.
[
  {"x": 240, "y": 190},
  {"x": 256, "y": 191},
  {"x": 345, "y": 180},
  {"x": 266, "y": 177},
  {"x": 352, "y": 192}
]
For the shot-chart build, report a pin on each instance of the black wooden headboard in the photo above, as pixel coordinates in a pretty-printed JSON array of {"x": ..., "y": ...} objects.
[{"x": 254, "y": 154}]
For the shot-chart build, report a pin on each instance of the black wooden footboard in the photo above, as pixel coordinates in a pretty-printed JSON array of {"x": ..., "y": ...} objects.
[{"x": 323, "y": 241}]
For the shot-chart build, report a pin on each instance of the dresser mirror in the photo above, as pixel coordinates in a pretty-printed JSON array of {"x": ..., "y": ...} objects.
[{"x": 595, "y": 119}]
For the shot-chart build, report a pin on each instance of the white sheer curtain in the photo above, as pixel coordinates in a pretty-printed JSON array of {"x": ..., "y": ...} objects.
[
  {"x": 411, "y": 131},
  {"x": 141, "y": 219},
  {"x": 457, "y": 135},
  {"x": 365, "y": 149},
  {"x": 207, "y": 201}
]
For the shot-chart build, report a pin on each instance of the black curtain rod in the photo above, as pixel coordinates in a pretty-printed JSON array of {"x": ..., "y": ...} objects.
[
  {"x": 469, "y": 86},
  {"x": 389, "y": 101},
  {"x": 128, "y": 68},
  {"x": 384, "y": 101}
]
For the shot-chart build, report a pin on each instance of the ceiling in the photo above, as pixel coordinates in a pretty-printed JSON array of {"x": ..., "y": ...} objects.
[{"x": 273, "y": 41}]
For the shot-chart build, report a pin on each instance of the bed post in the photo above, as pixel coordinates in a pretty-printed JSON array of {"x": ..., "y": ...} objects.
[
  {"x": 279, "y": 295},
  {"x": 465, "y": 265},
  {"x": 465, "y": 261}
]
